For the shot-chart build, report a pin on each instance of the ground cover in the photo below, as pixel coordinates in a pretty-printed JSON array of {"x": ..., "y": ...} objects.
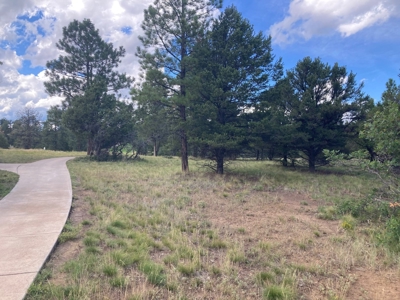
[
  {"x": 7, "y": 182},
  {"x": 31, "y": 155},
  {"x": 144, "y": 230}
]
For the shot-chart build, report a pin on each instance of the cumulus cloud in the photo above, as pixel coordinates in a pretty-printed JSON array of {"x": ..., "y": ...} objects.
[
  {"x": 18, "y": 90},
  {"x": 309, "y": 18},
  {"x": 38, "y": 24}
]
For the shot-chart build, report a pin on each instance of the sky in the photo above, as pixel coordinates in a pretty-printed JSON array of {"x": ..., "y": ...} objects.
[{"x": 362, "y": 35}]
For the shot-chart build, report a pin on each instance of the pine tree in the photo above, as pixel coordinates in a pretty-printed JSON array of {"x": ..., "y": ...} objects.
[
  {"x": 325, "y": 103},
  {"x": 171, "y": 29},
  {"x": 89, "y": 62},
  {"x": 234, "y": 65}
]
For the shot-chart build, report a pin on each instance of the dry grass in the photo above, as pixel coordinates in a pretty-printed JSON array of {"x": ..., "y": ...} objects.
[{"x": 143, "y": 230}]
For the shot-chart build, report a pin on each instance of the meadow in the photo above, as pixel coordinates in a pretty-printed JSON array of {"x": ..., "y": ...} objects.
[{"x": 143, "y": 230}]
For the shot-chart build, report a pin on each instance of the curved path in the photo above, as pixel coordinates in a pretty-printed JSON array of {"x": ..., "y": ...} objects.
[{"x": 32, "y": 217}]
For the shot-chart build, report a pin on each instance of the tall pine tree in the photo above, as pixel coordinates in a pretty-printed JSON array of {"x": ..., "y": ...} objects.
[
  {"x": 234, "y": 65},
  {"x": 89, "y": 61},
  {"x": 325, "y": 103},
  {"x": 171, "y": 29}
]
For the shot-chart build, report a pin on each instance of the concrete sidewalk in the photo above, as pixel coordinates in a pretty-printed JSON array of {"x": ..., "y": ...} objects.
[{"x": 32, "y": 217}]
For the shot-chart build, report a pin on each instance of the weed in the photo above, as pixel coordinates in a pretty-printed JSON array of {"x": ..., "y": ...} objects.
[
  {"x": 217, "y": 244},
  {"x": 110, "y": 270},
  {"x": 263, "y": 277},
  {"x": 216, "y": 271},
  {"x": 327, "y": 213},
  {"x": 236, "y": 255},
  {"x": 242, "y": 230},
  {"x": 154, "y": 273},
  {"x": 86, "y": 223},
  {"x": 275, "y": 292},
  {"x": 69, "y": 232},
  {"x": 7, "y": 182},
  {"x": 120, "y": 224},
  {"x": 348, "y": 223},
  {"x": 186, "y": 270},
  {"x": 118, "y": 282},
  {"x": 91, "y": 241},
  {"x": 93, "y": 250}
]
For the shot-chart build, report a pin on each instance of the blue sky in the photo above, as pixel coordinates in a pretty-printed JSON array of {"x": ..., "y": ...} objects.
[{"x": 363, "y": 35}]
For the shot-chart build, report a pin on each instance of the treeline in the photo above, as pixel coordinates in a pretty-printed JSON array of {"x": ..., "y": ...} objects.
[
  {"x": 209, "y": 88},
  {"x": 30, "y": 132}
]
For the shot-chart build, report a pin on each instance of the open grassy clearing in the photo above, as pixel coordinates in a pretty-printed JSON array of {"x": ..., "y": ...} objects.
[
  {"x": 31, "y": 155},
  {"x": 143, "y": 230}
]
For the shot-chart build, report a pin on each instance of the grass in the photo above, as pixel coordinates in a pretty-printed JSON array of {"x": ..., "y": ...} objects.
[
  {"x": 31, "y": 155},
  {"x": 144, "y": 230},
  {"x": 7, "y": 182}
]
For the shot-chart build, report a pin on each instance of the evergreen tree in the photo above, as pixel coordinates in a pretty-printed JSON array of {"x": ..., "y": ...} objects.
[
  {"x": 171, "y": 29},
  {"x": 325, "y": 104},
  {"x": 6, "y": 128},
  {"x": 154, "y": 120},
  {"x": 383, "y": 129},
  {"x": 98, "y": 117},
  {"x": 26, "y": 129},
  {"x": 89, "y": 62},
  {"x": 55, "y": 135},
  {"x": 272, "y": 129},
  {"x": 234, "y": 65}
]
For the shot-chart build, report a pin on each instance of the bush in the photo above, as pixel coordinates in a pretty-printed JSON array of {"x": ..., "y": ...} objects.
[
  {"x": 391, "y": 236},
  {"x": 3, "y": 141}
]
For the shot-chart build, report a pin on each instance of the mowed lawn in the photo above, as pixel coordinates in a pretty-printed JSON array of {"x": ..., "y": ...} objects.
[{"x": 144, "y": 230}]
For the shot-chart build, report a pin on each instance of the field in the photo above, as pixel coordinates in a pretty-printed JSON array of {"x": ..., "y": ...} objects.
[
  {"x": 143, "y": 230},
  {"x": 31, "y": 155}
]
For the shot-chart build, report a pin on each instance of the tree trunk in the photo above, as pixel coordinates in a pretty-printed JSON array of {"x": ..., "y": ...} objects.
[
  {"x": 219, "y": 157},
  {"x": 371, "y": 153},
  {"x": 89, "y": 149},
  {"x": 184, "y": 152},
  {"x": 311, "y": 161},
  {"x": 285, "y": 161},
  {"x": 271, "y": 153},
  {"x": 184, "y": 143},
  {"x": 258, "y": 155}
]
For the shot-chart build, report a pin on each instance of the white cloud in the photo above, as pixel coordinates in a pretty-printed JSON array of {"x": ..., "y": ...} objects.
[
  {"x": 18, "y": 91},
  {"x": 309, "y": 18},
  {"x": 109, "y": 17}
]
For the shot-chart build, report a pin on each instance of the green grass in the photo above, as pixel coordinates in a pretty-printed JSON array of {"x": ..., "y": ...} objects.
[
  {"x": 7, "y": 182},
  {"x": 31, "y": 155}
]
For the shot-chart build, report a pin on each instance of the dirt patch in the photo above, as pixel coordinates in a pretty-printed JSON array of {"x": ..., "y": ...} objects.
[
  {"x": 319, "y": 249},
  {"x": 70, "y": 249},
  {"x": 383, "y": 285}
]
